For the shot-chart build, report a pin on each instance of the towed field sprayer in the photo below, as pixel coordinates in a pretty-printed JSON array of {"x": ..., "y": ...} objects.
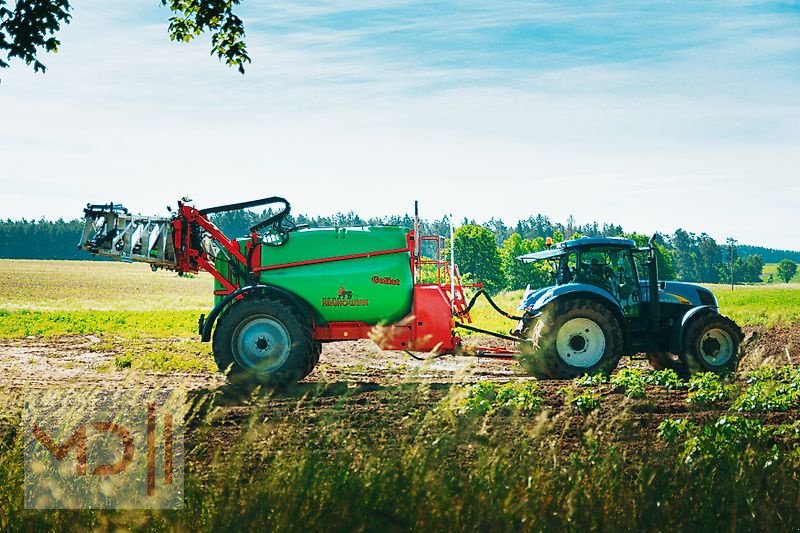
[{"x": 283, "y": 291}]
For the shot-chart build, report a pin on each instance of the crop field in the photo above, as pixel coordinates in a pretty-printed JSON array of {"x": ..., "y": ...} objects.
[{"x": 377, "y": 441}]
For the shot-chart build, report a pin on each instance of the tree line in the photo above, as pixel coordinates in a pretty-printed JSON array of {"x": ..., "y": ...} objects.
[
  {"x": 486, "y": 250},
  {"x": 681, "y": 256}
]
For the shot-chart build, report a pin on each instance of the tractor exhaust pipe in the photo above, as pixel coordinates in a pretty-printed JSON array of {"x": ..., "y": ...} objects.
[{"x": 652, "y": 285}]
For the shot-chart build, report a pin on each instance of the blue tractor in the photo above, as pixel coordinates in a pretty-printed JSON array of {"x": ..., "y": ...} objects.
[{"x": 606, "y": 301}]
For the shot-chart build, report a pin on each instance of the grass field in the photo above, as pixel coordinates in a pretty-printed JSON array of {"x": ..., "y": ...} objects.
[
  {"x": 129, "y": 306},
  {"x": 98, "y": 286},
  {"x": 350, "y": 450},
  {"x": 771, "y": 269},
  {"x": 82, "y": 297}
]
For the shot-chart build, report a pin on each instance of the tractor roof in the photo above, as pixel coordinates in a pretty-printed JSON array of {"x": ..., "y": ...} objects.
[
  {"x": 598, "y": 242},
  {"x": 576, "y": 244}
]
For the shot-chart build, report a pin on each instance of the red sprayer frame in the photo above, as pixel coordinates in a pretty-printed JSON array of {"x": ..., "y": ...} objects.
[{"x": 429, "y": 327}]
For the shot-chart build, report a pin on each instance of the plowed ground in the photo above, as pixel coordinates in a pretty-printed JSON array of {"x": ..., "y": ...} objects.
[{"x": 375, "y": 394}]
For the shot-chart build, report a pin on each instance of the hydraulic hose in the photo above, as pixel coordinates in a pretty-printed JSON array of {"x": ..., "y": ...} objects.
[{"x": 491, "y": 302}]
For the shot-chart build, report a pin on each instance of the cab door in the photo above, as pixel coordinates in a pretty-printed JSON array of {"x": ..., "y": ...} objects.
[{"x": 630, "y": 290}]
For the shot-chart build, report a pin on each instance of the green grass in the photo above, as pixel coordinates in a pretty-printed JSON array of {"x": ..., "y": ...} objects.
[
  {"x": 487, "y": 396},
  {"x": 760, "y": 305},
  {"x": 772, "y": 268},
  {"x": 147, "y": 320},
  {"x": 126, "y": 323},
  {"x": 485, "y": 317},
  {"x": 498, "y": 470},
  {"x": 50, "y": 298},
  {"x": 161, "y": 355},
  {"x": 748, "y": 305},
  {"x": 98, "y": 286}
]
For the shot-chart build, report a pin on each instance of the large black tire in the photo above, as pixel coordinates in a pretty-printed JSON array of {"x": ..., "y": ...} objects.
[
  {"x": 572, "y": 338},
  {"x": 316, "y": 351},
  {"x": 262, "y": 341},
  {"x": 711, "y": 344},
  {"x": 667, "y": 360}
]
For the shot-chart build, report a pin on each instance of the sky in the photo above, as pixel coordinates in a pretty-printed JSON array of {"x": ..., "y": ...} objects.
[{"x": 652, "y": 115}]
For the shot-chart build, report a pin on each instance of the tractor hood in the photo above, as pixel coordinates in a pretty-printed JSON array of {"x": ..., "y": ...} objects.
[
  {"x": 670, "y": 292},
  {"x": 676, "y": 292}
]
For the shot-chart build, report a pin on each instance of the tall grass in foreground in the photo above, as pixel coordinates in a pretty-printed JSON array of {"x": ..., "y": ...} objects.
[{"x": 448, "y": 468}]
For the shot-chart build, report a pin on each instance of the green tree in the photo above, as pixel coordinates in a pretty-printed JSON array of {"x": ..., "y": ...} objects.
[
  {"x": 518, "y": 274},
  {"x": 709, "y": 259},
  {"x": 753, "y": 267},
  {"x": 477, "y": 254},
  {"x": 665, "y": 257},
  {"x": 685, "y": 258},
  {"x": 786, "y": 270},
  {"x": 697, "y": 257},
  {"x": 31, "y": 26},
  {"x": 745, "y": 270}
]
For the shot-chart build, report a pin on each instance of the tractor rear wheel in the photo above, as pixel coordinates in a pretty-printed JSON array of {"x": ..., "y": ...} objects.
[
  {"x": 262, "y": 341},
  {"x": 572, "y": 338},
  {"x": 667, "y": 360},
  {"x": 711, "y": 344}
]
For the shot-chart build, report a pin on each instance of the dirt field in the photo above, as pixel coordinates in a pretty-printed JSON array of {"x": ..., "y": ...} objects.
[
  {"x": 40, "y": 362},
  {"x": 372, "y": 388}
]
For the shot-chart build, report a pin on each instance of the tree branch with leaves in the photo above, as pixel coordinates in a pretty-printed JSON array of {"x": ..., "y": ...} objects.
[{"x": 31, "y": 26}]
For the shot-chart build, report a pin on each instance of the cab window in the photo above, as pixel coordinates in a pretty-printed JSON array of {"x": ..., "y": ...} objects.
[
  {"x": 566, "y": 272},
  {"x": 613, "y": 271}
]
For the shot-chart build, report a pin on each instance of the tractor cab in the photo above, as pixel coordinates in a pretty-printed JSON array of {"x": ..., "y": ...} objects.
[{"x": 606, "y": 265}]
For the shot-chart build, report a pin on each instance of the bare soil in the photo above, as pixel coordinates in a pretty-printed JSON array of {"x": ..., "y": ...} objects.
[
  {"x": 40, "y": 362},
  {"x": 358, "y": 387}
]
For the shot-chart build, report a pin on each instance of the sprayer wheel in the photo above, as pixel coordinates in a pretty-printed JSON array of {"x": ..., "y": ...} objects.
[{"x": 263, "y": 341}]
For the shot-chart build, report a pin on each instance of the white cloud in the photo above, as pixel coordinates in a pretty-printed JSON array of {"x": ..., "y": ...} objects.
[{"x": 693, "y": 139}]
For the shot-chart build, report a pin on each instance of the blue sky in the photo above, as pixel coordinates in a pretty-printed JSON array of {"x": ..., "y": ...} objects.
[{"x": 653, "y": 115}]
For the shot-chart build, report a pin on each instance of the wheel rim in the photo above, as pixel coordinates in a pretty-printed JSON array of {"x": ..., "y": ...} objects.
[
  {"x": 716, "y": 347},
  {"x": 261, "y": 344},
  {"x": 580, "y": 342}
]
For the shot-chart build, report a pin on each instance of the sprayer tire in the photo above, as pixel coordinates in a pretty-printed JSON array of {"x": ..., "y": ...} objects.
[{"x": 263, "y": 341}]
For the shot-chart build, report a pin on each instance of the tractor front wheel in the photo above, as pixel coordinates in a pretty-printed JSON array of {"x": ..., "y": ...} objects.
[
  {"x": 711, "y": 344},
  {"x": 261, "y": 341},
  {"x": 572, "y": 338}
]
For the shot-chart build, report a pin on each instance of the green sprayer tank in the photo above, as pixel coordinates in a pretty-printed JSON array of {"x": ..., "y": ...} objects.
[{"x": 366, "y": 288}]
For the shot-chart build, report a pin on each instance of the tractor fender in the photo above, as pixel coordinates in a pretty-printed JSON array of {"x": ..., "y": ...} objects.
[
  {"x": 676, "y": 338},
  {"x": 535, "y": 301},
  {"x": 206, "y": 324}
]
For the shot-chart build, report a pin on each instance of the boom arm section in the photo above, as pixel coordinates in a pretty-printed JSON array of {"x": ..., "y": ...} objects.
[
  {"x": 110, "y": 230},
  {"x": 186, "y": 241}
]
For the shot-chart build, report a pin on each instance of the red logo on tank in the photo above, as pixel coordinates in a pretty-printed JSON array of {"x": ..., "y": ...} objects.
[
  {"x": 385, "y": 280},
  {"x": 344, "y": 298}
]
